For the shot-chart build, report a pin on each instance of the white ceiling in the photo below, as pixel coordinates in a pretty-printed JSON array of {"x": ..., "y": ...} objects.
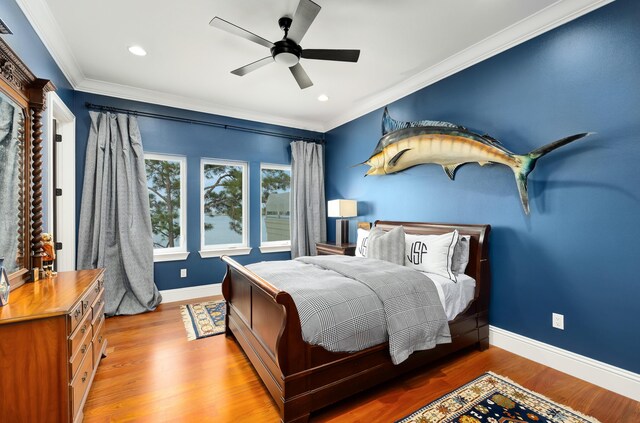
[{"x": 405, "y": 45}]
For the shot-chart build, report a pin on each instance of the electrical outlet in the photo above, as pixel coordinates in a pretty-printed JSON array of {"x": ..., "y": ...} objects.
[
  {"x": 183, "y": 273},
  {"x": 557, "y": 321}
]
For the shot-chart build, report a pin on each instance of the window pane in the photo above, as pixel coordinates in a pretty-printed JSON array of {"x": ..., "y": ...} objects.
[
  {"x": 223, "y": 214},
  {"x": 276, "y": 187},
  {"x": 163, "y": 181}
]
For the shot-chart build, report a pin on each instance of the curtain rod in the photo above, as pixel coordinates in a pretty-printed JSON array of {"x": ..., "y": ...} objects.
[{"x": 199, "y": 122}]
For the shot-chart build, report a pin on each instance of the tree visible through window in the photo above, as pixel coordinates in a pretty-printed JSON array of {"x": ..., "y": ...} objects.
[
  {"x": 275, "y": 204},
  {"x": 223, "y": 203},
  {"x": 165, "y": 184}
]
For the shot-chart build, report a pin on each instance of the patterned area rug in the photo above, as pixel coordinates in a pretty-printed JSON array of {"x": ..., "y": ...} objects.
[
  {"x": 203, "y": 319},
  {"x": 495, "y": 399}
]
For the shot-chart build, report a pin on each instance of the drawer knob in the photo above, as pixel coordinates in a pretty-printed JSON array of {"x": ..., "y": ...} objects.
[
  {"x": 84, "y": 329},
  {"x": 97, "y": 288},
  {"x": 84, "y": 376},
  {"x": 85, "y": 304},
  {"x": 100, "y": 339},
  {"x": 83, "y": 349},
  {"x": 77, "y": 313}
]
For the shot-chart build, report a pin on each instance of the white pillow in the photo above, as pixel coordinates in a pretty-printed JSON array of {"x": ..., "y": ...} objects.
[
  {"x": 361, "y": 243},
  {"x": 431, "y": 253},
  {"x": 461, "y": 255}
]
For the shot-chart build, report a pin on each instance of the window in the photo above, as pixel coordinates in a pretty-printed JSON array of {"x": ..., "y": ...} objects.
[
  {"x": 275, "y": 211},
  {"x": 166, "y": 181},
  {"x": 225, "y": 208}
]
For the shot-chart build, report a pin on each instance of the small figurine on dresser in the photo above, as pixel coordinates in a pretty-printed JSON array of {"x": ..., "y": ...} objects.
[{"x": 48, "y": 254}]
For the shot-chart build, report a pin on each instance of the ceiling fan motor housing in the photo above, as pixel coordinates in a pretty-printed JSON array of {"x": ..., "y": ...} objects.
[{"x": 286, "y": 52}]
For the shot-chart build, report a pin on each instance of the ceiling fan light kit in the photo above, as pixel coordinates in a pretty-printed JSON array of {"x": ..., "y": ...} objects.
[{"x": 287, "y": 51}]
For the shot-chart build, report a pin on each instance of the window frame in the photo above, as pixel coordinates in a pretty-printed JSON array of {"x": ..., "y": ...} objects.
[
  {"x": 274, "y": 246},
  {"x": 174, "y": 253},
  {"x": 217, "y": 250}
]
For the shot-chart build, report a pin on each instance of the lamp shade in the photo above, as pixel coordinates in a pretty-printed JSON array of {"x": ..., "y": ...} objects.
[{"x": 342, "y": 208}]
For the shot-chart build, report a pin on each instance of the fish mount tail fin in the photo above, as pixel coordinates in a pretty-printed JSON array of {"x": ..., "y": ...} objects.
[{"x": 528, "y": 163}]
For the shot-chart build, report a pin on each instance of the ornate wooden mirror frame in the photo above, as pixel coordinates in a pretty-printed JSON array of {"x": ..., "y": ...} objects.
[{"x": 19, "y": 84}]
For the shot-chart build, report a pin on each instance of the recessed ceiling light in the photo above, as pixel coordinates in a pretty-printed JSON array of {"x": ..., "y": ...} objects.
[
  {"x": 323, "y": 97},
  {"x": 137, "y": 50}
]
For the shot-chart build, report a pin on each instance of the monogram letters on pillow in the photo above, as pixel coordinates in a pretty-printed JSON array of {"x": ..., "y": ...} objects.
[
  {"x": 431, "y": 253},
  {"x": 387, "y": 246},
  {"x": 362, "y": 242}
]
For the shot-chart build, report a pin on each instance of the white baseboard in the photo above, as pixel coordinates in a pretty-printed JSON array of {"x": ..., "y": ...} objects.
[
  {"x": 605, "y": 375},
  {"x": 191, "y": 292}
]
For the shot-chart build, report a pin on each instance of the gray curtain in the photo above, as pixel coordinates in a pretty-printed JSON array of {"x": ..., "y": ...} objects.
[
  {"x": 308, "y": 207},
  {"x": 115, "y": 224}
]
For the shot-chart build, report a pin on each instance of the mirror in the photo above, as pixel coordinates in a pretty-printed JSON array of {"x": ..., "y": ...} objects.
[
  {"x": 22, "y": 102},
  {"x": 12, "y": 184}
]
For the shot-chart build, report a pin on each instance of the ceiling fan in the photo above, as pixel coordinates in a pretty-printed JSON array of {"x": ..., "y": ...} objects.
[{"x": 288, "y": 51}]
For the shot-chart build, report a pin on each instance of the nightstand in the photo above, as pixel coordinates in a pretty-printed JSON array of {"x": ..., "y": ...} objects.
[{"x": 325, "y": 249}]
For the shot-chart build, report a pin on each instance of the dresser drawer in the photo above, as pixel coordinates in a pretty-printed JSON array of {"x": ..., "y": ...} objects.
[
  {"x": 80, "y": 383},
  {"x": 84, "y": 350},
  {"x": 98, "y": 340},
  {"x": 79, "y": 335},
  {"x": 98, "y": 312}
]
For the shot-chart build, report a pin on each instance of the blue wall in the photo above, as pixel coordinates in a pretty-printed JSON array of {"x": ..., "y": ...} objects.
[
  {"x": 577, "y": 252},
  {"x": 196, "y": 142}
]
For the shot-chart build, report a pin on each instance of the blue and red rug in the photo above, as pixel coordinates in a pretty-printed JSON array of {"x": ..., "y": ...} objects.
[
  {"x": 203, "y": 319},
  {"x": 495, "y": 399}
]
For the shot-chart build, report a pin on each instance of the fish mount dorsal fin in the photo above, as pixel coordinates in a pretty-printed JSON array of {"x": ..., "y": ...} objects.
[
  {"x": 450, "y": 170},
  {"x": 390, "y": 124},
  {"x": 491, "y": 139}
]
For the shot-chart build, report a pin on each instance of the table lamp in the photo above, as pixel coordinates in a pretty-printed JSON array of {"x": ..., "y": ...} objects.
[{"x": 342, "y": 208}]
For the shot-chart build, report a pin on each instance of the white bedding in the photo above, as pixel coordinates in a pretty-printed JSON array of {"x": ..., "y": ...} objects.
[{"x": 454, "y": 296}]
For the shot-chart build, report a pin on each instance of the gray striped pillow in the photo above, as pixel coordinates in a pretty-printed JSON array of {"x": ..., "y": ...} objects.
[{"x": 388, "y": 246}]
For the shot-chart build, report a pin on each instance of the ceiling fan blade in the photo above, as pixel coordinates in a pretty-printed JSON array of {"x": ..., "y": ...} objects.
[
  {"x": 241, "y": 32},
  {"x": 337, "y": 55},
  {"x": 301, "y": 76},
  {"x": 302, "y": 20},
  {"x": 252, "y": 66}
]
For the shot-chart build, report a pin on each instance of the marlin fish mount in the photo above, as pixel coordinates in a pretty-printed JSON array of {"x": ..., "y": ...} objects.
[{"x": 407, "y": 144}]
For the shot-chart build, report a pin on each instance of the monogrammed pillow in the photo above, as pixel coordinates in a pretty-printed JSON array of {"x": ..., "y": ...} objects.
[
  {"x": 361, "y": 243},
  {"x": 387, "y": 246},
  {"x": 431, "y": 253}
]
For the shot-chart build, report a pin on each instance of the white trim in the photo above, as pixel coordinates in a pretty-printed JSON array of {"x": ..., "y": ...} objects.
[
  {"x": 66, "y": 179},
  {"x": 173, "y": 253},
  {"x": 556, "y": 14},
  {"x": 275, "y": 248},
  {"x": 605, "y": 375},
  {"x": 45, "y": 25},
  {"x": 159, "y": 256},
  {"x": 191, "y": 292},
  {"x": 229, "y": 251},
  {"x": 206, "y": 250}
]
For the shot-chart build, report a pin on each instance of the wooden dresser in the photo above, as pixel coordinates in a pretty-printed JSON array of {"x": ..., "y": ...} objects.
[{"x": 51, "y": 342}]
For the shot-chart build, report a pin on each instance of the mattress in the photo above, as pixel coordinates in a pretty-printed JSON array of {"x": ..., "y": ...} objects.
[{"x": 455, "y": 297}]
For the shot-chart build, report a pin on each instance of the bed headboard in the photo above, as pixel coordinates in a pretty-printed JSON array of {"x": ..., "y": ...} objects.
[{"x": 478, "y": 267}]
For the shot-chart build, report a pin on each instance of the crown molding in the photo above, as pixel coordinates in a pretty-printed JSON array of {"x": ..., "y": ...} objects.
[
  {"x": 46, "y": 27},
  {"x": 128, "y": 92},
  {"x": 551, "y": 17},
  {"x": 556, "y": 14}
]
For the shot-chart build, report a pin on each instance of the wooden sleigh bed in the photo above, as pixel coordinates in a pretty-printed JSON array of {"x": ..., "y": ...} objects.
[{"x": 301, "y": 377}]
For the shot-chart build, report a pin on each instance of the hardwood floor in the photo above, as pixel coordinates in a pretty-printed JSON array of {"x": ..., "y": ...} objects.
[{"x": 153, "y": 374}]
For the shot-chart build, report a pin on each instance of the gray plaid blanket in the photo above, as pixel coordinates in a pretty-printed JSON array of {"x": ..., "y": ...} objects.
[{"x": 347, "y": 304}]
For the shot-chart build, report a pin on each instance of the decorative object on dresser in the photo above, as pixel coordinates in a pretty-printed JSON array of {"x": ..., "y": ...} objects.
[
  {"x": 326, "y": 248},
  {"x": 51, "y": 342},
  {"x": 4, "y": 284},
  {"x": 301, "y": 377},
  {"x": 22, "y": 101},
  {"x": 341, "y": 209}
]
